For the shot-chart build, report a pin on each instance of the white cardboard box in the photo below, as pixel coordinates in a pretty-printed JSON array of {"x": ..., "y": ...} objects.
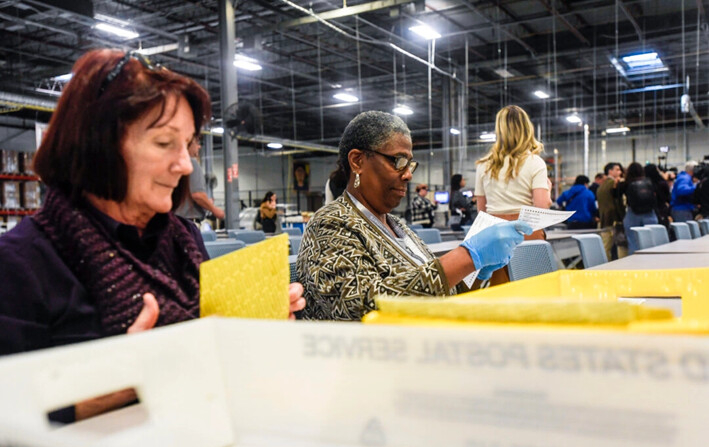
[{"x": 229, "y": 382}]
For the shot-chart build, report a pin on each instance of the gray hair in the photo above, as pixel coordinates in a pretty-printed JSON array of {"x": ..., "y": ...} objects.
[
  {"x": 369, "y": 131},
  {"x": 691, "y": 164}
]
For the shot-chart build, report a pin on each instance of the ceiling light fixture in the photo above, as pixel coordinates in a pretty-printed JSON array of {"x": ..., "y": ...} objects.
[
  {"x": 121, "y": 32},
  {"x": 488, "y": 136},
  {"x": 541, "y": 94},
  {"x": 425, "y": 31},
  {"x": 454, "y": 131},
  {"x": 574, "y": 119},
  {"x": 218, "y": 130},
  {"x": 345, "y": 97},
  {"x": 403, "y": 110},
  {"x": 503, "y": 73},
  {"x": 63, "y": 78},
  {"x": 246, "y": 63},
  {"x": 623, "y": 129},
  {"x": 274, "y": 146}
]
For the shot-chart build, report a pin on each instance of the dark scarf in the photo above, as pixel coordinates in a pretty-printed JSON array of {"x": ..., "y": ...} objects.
[{"x": 114, "y": 278}]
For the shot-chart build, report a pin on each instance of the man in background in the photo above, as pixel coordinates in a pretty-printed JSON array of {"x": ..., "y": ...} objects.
[
  {"x": 600, "y": 177},
  {"x": 683, "y": 194},
  {"x": 197, "y": 203},
  {"x": 611, "y": 209}
]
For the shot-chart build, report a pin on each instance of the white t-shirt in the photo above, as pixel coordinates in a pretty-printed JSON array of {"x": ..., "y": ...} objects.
[{"x": 508, "y": 197}]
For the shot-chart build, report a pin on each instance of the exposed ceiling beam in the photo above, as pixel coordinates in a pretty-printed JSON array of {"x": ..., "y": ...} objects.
[
  {"x": 343, "y": 12},
  {"x": 566, "y": 23},
  {"x": 632, "y": 20}
]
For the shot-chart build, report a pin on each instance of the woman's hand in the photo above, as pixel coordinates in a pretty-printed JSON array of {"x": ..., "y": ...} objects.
[
  {"x": 297, "y": 302},
  {"x": 493, "y": 246},
  {"x": 147, "y": 317}
]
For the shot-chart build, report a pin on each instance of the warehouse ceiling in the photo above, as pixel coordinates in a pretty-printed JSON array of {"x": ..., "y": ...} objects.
[{"x": 490, "y": 53}]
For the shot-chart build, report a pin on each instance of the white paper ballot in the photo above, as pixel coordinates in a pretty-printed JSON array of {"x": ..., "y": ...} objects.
[{"x": 537, "y": 218}]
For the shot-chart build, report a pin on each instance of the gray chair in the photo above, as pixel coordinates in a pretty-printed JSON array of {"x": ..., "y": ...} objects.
[
  {"x": 429, "y": 235},
  {"x": 416, "y": 227},
  {"x": 294, "y": 231},
  {"x": 532, "y": 258},
  {"x": 643, "y": 237},
  {"x": 659, "y": 234},
  {"x": 704, "y": 226},
  {"x": 681, "y": 230},
  {"x": 220, "y": 248},
  {"x": 293, "y": 273},
  {"x": 247, "y": 236},
  {"x": 592, "y": 251},
  {"x": 209, "y": 235},
  {"x": 694, "y": 229},
  {"x": 294, "y": 244}
]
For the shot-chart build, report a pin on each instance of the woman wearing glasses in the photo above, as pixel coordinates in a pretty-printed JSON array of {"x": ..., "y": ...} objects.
[
  {"x": 105, "y": 254},
  {"x": 353, "y": 249}
]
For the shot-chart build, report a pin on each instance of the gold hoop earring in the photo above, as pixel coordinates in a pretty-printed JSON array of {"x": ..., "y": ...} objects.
[{"x": 356, "y": 182}]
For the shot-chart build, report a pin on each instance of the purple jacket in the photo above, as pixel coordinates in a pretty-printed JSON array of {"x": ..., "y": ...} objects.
[{"x": 42, "y": 303}]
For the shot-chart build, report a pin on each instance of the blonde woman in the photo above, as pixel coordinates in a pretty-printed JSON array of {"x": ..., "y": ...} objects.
[{"x": 512, "y": 174}]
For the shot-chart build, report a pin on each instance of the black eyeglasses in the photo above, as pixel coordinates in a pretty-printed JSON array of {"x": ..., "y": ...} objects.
[
  {"x": 113, "y": 74},
  {"x": 399, "y": 161}
]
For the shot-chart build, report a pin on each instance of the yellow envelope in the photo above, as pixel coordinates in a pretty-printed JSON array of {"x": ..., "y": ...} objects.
[{"x": 248, "y": 283}]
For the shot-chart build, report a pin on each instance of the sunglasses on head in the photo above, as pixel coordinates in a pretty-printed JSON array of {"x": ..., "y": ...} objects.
[
  {"x": 399, "y": 161},
  {"x": 133, "y": 54}
]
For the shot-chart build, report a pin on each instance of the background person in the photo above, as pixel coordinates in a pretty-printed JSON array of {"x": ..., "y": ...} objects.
[
  {"x": 682, "y": 202},
  {"x": 268, "y": 212},
  {"x": 597, "y": 181},
  {"x": 662, "y": 194},
  {"x": 197, "y": 202},
  {"x": 641, "y": 199},
  {"x": 421, "y": 208},
  {"x": 353, "y": 248},
  {"x": 512, "y": 174},
  {"x": 460, "y": 206},
  {"x": 611, "y": 210},
  {"x": 581, "y": 200}
]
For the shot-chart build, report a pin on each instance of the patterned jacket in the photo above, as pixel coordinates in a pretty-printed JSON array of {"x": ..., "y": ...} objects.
[
  {"x": 345, "y": 261},
  {"x": 422, "y": 210}
]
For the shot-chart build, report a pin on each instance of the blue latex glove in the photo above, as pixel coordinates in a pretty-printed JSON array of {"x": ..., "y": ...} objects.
[
  {"x": 493, "y": 245},
  {"x": 486, "y": 272}
]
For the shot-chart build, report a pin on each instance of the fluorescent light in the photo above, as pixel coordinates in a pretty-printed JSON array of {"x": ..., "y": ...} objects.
[
  {"x": 48, "y": 92},
  {"x": 336, "y": 85},
  {"x": 503, "y": 73},
  {"x": 454, "y": 131},
  {"x": 541, "y": 94},
  {"x": 403, "y": 110},
  {"x": 109, "y": 19},
  {"x": 274, "y": 145},
  {"x": 246, "y": 63},
  {"x": 63, "y": 78},
  {"x": 575, "y": 119},
  {"x": 425, "y": 31},
  {"x": 488, "y": 136},
  {"x": 159, "y": 49},
  {"x": 118, "y": 31},
  {"x": 618, "y": 129},
  {"x": 218, "y": 130},
  {"x": 346, "y": 97}
]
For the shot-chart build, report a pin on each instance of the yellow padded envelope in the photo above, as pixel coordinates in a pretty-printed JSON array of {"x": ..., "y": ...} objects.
[{"x": 248, "y": 283}]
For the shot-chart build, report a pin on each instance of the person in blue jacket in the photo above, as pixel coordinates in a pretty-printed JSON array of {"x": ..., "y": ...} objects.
[
  {"x": 682, "y": 194},
  {"x": 580, "y": 199}
]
